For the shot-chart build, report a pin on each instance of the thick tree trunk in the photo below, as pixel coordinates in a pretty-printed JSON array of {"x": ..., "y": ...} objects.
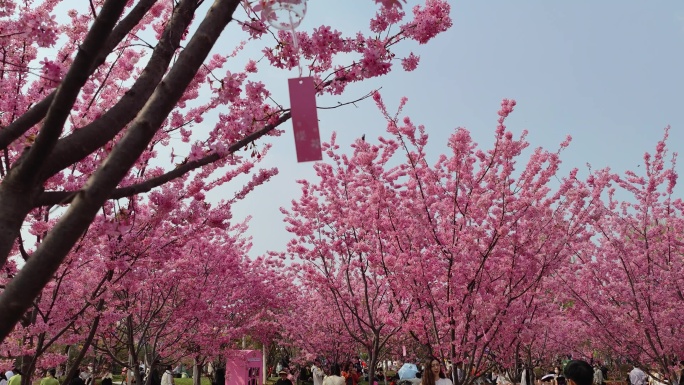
[
  {"x": 30, "y": 368},
  {"x": 372, "y": 363},
  {"x": 196, "y": 372},
  {"x": 16, "y": 200},
  {"x": 96, "y": 134},
  {"x": 38, "y": 111}
]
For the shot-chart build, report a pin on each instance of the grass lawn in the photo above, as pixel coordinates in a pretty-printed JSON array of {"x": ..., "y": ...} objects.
[{"x": 188, "y": 381}]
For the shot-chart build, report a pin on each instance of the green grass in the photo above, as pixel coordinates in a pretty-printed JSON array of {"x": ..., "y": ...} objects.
[{"x": 188, "y": 381}]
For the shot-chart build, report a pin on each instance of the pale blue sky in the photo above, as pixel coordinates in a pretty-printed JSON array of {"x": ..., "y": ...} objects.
[{"x": 609, "y": 73}]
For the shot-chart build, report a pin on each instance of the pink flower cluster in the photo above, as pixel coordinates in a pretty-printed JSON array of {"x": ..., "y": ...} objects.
[
  {"x": 411, "y": 62},
  {"x": 429, "y": 21},
  {"x": 374, "y": 53}
]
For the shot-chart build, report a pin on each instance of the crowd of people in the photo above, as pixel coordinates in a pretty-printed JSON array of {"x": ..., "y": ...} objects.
[
  {"x": 81, "y": 377},
  {"x": 430, "y": 372},
  {"x": 348, "y": 373},
  {"x": 11, "y": 377},
  {"x": 436, "y": 372},
  {"x": 86, "y": 377}
]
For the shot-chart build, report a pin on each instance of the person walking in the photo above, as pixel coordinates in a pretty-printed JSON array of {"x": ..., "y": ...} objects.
[
  {"x": 637, "y": 376},
  {"x": 317, "y": 373},
  {"x": 283, "y": 380},
  {"x": 559, "y": 378},
  {"x": 167, "y": 377},
  {"x": 354, "y": 375},
  {"x": 433, "y": 374},
  {"x": 598, "y": 375},
  {"x": 334, "y": 378},
  {"x": 77, "y": 380},
  {"x": 16, "y": 378},
  {"x": 50, "y": 379},
  {"x": 604, "y": 372}
]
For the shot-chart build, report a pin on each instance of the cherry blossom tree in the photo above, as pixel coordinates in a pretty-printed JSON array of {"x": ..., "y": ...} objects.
[
  {"x": 317, "y": 330},
  {"x": 170, "y": 279},
  {"x": 343, "y": 238},
  {"x": 455, "y": 253},
  {"x": 191, "y": 307},
  {"x": 87, "y": 124},
  {"x": 627, "y": 284}
]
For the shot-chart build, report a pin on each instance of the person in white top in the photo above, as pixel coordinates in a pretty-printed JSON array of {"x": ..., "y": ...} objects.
[
  {"x": 598, "y": 375},
  {"x": 317, "y": 372},
  {"x": 167, "y": 377},
  {"x": 657, "y": 379},
  {"x": 503, "y": 379},
  {"x": 432, "y": 374},
  {"x": 637, "y": 376},
  {"x": 334, "y": 378}
]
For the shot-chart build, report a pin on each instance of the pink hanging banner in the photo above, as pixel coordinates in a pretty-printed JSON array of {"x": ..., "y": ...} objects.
[
  {"x": 403, "y": 350},
  {"x": 305, "y": 119}
]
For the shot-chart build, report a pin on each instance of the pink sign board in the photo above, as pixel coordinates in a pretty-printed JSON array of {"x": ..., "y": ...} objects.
[
  {"x": 243, "y": 367},
  {"x": 305, "y": 119}
]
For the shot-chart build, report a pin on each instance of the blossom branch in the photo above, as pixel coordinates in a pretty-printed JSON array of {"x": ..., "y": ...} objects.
[
  {"x": 68, "y": 91},
  {"x": 50, "y": 198},
  {"x": 37, "y": 112},
  {"x": 94, "y": 135}
]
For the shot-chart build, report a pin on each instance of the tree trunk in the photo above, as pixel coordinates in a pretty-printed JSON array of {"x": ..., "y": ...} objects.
[
  {"x": 16, "y": 201},
  {"x": 86, "y": 344},
  {"x": 455, "y": 379},
  {"x": 30, "y": 369},
  {"x": 196, "y": 372},
  {"x": 372, "y": 362}
]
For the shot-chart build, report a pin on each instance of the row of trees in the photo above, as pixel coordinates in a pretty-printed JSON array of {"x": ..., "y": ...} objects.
[
  {"x": 488, "y": 256},
  {"x": 110, "y": 252},
  {"x": 173, "y": 282}
]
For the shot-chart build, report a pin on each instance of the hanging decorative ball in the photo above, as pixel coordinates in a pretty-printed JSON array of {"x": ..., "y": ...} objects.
[{"x": 285, "y": 15}]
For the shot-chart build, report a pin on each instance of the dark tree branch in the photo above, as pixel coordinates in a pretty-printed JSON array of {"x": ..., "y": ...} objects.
[
  {"x": 50, "y": 198},
  {"x": 96, "y": 134},
  {"x": 27, "y": 120},
  {"x": 36, "y": 113},
  {"x": 68, "y": 91}
]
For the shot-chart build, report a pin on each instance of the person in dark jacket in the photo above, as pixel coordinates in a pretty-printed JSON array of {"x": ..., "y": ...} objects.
[
  {"x": 77, "y": 380},
  {"x": 155, "y": 377},
  {"x": 219, "y": 377},
  {"x": 604, "y": 371},
  {"x": 283, "y": 380},
  {"x": 579, "y": 372}
]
